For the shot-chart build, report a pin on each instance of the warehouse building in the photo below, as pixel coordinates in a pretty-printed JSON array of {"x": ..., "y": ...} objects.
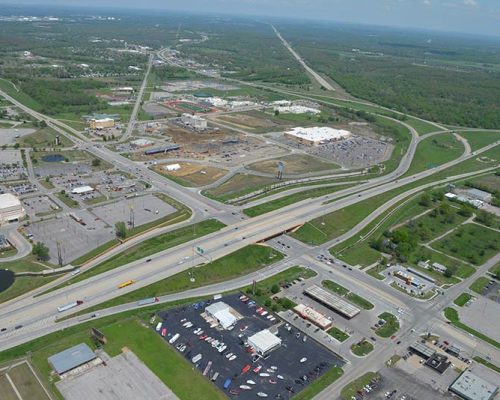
[
  {"x": 82, "y": 190},
  {"x": 101, "y": 123},
  {"x": 164, "y": 149},
  {"x": 471, "y": 387},
  {"x": 222, "y": 314},
  {"x": 316, "y": 135},
  {"x": 481, "y": 195},
  {"x": 264, "y": 342},
  {"x": 71, "y": 358},
  {"x": 11, "y": 209},
  {"x": 330, "y": 300}
]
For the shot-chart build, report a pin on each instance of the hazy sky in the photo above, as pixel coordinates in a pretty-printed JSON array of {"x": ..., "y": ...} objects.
[{"x": 475, "y": 16}]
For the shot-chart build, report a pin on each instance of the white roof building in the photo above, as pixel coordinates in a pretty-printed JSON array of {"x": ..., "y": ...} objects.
[
  {"x": 264, "y": 342},
  {"x": 82, "y": 189},
  {"x": 296, "y": 110},
  {"x": 172, "y": 167},
  {"x": 317, "y": 135},
  {"x": 221, "y": 312},
  {"x": 10, "y": 208}
]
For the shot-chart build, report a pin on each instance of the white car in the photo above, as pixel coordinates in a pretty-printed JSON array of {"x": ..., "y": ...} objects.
[
  {"x": 233, "y": 357},
  {"x": 228, "y": 355}
]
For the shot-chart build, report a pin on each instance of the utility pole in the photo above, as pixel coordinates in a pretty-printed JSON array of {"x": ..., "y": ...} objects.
[{"x": 59, "y": 254}]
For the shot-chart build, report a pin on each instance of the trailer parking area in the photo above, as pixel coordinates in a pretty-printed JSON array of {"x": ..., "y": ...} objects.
[{"x": 286, "y": 371}]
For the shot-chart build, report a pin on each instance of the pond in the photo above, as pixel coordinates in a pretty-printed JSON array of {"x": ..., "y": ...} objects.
[
  {"x": 53, "y": 158},
  {"x": 6, "y": 279}
]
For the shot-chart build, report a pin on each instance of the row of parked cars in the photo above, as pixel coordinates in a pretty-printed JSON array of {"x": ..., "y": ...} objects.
[{"x": 259, "y": 310}]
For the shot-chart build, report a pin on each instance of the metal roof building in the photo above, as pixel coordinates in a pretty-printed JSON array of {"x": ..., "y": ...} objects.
[
  {"x": 264, "y": 342},
  {"x": 472, "y": 387},
  {"x": 420, "y": 348},
  {"x": 71, "y": 358},
  {"x": 332, "y": 301},
  {"x": 221, "y": 312},
  {"x": 480, "y": 195}
]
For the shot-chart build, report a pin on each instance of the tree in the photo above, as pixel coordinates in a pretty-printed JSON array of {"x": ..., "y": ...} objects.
[
  {"x": 41, "y": 251},
  {"x": 96, "y": 162},
  {"x": 121, "y": 230},
  {"x": 276, "y": 112},
  {"x": 275, "y": 289},
  {"x": 450, "y": 271},
  {"x": 425, "y": 200},
  {"x": 43, "y": 124}
]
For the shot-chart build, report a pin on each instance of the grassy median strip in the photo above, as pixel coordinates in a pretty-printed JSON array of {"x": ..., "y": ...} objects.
[
  {"x": 486, "y": 363},
  {"x": 452, "y": 315},
  {"x": 462, "y": 299},
  {"x": 151, "y": 246},
  {"x": 479, "y": 284},
  {"x": 319, "y": 384},
  {"x": 349, "y": 391},
  {"x": 239, "y": 263},
  {"x": 347, "y": 294},
  {"x": 291, "y": 199},
  {"x": 338, "y": 334},
  {"x": 390, "y": 327}
]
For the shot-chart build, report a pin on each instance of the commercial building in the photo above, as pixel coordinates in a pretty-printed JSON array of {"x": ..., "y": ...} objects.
[
  {"x": 11, "y": 209},
  {"x": 222, "y": 314},
  {"x": 316, "y": 135},
  {"x": 330, "y": 300},
  {"x": 264, "y": 342},
  {"x": 313, "y": 316},
  {"x": 164, "y": 149},
  {"x": 102, "y": 123},
  {"x": 481, "y": 195},
  {"x": 438, "y": 362},
  {"x": 296, "y": 110},
  {"x": 471, "y": 387},
  {"x": 194, "y": 121},
  {"x": 172, "y": 167},
  {"x": 439, "y": 267},
  {"x": 82, "y": 190},
  {"x": 71, "y": 358}
]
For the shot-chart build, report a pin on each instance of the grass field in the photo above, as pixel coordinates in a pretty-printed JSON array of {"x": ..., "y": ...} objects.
[
  {"x": 376, "y": 271},
  {"x": 462, "y": 299},
  {"x": 479, "y": 284},
  {"x": 150, "y": 246},
  {"x": 6, "y": 389},
  {"x": 452, "y": 315},
  {"x": 319, "y": 384},
  {"x": 390, "y": 327},
  {"x": 23, "y": 284},
  {"x": 470, "y": 242},
  {"x": 434, "y": 151},
  {"x": 291, "y": 199},
  {"x": 238, "y": 185},
  {"x": 480, "y": 139},
  {"x": 298, "y": 164},
  {"x": 350, "y": 390},
  {"x": 241, "y": 262},
  {"x": 338, "y": 334},
  {"x": 348, "y": 295},
  {"x": 44, "y": 137},
  {"x": 362, "y": 348},
  {"x": 26, "y": 383},
  {"x": 420, "y": 126}
]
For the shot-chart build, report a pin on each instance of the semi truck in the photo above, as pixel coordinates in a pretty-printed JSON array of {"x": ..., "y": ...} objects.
[
  {"x": 69, "y": 306},
  {"x": 151, "y": 300}
]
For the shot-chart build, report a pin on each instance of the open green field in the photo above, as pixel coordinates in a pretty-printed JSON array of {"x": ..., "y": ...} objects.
[
  {"x": 44, "y": 137},
  {"x": 350, "y": 390},
  {"x": 26, "y": 383},
  {"x": 291, "y": 199},
  {"x": 390, "y": 327},
  {"x": 362, "y": 348},
  {"x": 434, "y": 151},
  {"x": 6, "y": 389},
  {"x": 471, "y": 242},
  {"x": 297, "y": 164},
  {"x": 479, "y": 284},
  {"x": 452, "y": 315},
  {"x": 376, "y": 271},
  {"x": 490, "y": 181},
  {"x": 23, "y": 284},
  {"x": 150, "y": 246},
  {"x": 241, "y": 262},
  {"x": 338, "y": 334},
  {"x": 478, "y": 139},
  {"x": 238, "y": 185},
  {"x": 422, "y": 127},
  {"x": 462, "y": 299}
]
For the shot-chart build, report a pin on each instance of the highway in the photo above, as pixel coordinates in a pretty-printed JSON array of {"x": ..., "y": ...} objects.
[{"x": 38, "y": 315}]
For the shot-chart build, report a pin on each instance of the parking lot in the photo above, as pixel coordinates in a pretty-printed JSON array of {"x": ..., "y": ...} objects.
[
  {"x": 286, "y": 371},
  {"x": 39, "y": 206}
]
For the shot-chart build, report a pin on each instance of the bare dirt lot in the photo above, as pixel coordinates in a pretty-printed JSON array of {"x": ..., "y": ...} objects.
[
  {"x": 192, "y": 174},
  {"x": 25, "y": 382}
]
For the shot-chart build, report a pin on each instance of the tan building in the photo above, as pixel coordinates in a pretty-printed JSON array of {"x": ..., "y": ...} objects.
[
  {"x": 11, "y": 209},
  {"x": 102, "y": 123}
]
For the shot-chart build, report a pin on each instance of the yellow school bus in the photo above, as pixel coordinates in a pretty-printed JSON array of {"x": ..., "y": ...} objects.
[{"x": 125, "y": 284}]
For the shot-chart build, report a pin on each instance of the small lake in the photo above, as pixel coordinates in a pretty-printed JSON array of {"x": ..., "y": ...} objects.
[
  {"x": 53, "y": 158},
  {"x": 6, "y": 279}
]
